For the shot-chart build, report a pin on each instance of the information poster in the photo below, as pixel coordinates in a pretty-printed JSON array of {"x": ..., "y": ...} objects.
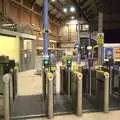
[
  {"x": 117, "y": 54},
  {"x": 108, "y": 53}
]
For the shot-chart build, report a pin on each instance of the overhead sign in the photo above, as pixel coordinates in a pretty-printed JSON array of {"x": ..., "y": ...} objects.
[{"x": 100, "y": 37}]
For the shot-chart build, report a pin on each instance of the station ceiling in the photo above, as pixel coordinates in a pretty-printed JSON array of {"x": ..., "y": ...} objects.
[
  {"x": 88, "y": 9},
  {"x": 85, "y": 9}
]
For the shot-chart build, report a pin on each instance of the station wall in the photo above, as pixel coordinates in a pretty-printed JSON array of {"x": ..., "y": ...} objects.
[
  {"x": 24, "y": 15},
  {"x": 9, "y": 46}
]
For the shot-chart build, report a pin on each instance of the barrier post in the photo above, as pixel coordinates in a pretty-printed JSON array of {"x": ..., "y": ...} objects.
[
  {"x": 6, "y": 81},
  {"x": 79, "y": 94},
  {"x": 106, "y": 92},
  {"x": 69, "y": 81},
  {"x": 50, "y": 95}
]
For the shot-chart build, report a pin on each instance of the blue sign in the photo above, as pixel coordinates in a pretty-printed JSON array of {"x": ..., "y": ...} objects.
[{"x": 108, "y": 53}]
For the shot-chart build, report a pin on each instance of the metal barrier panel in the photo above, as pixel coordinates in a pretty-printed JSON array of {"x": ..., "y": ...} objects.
[
  {"x": 65, "y": 74},
  {"x": 103, "y": 90},
  {"x": 14, "y": 83}
]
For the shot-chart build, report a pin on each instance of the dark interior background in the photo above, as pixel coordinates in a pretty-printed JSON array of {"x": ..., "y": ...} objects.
[{"x": 112, "y": 36}]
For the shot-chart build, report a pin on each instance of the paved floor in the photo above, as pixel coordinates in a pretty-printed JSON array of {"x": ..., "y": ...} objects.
[
  {"x": 29, "y": 83},
  {"x": 87, "y": 116}
]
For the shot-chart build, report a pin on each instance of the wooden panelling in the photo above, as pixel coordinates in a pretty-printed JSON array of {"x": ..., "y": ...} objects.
[
  {"x": 13, "y": 12},
  {"x": 1, "y": 2},
  {"x": 25, "y": 17}
]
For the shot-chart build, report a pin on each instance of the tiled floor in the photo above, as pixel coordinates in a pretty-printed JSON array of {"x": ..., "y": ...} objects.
[{"x": 29, "y": 83}]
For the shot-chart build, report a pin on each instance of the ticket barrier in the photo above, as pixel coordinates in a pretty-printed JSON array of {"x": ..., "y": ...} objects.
[
  {"x": 91, "y": 101},
  {"x": 70, "y": 99},
  {"x": 114, "y": 86},
  {"x": 23, "y": 107}
]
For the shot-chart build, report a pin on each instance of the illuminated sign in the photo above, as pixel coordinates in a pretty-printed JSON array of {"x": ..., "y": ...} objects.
[
  {"x": 83, "y": 27},
  {"x": 117, "y": 53}
]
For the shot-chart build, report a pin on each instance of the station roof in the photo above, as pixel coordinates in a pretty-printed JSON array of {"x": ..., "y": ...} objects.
[{"x": 88, "y": 9}]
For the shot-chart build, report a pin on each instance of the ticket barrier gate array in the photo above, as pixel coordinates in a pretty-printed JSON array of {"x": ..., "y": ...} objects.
[
  {"x": 95, "y": 101},
  {"x": 50, "y": 101}
]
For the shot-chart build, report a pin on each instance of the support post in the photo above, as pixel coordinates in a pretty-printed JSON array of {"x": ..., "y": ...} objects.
[
  {"x": 106, "y": 92},
  {"x": 100, "y": 30},
  {"x": 78, "y": 42},
  {"x": 79, "y": 94},
  {"x": 6, "y": 81},
  {"x": 90, "y": 80},
  {"x": 50, "y": 95},
  {"x": 45, "y": 30},
  {"x": 33, "y": 53}
]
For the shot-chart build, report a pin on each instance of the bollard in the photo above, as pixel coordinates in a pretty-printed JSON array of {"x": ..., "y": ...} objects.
[
  {"x": 50, "y": 95},
  {"x": 106, "y": 92},
  {"x": 79, "y": 94},
  {"x": 6, "y": 81}
]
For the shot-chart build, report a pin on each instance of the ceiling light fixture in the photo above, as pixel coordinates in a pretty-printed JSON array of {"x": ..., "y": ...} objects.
[
  {"x": 65, "y": 10},
  {"x": 72, "y": 9},
  {"x": 72, "y": 17},
  {"x": 53, "y": 0}
]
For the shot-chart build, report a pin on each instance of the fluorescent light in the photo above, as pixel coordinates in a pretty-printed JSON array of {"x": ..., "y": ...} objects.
[
  {"x": 53, "y": 41},
  {"x": 65, "y": 10},
  {"x": 72, "y": 17},
  {"x": 86, "y": 26},
  {"x": 53, "y": 0},
  {"x": 7, "y": 25},
  {"x": 72, "y": 22},
  {"x": 72, "y": 9},
  {"x": 89, "y": 47}
]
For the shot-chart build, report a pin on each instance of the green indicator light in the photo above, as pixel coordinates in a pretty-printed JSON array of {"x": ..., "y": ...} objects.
[
  {"x": 69, "y": 62},
  {"x": 46, "y": 62}
]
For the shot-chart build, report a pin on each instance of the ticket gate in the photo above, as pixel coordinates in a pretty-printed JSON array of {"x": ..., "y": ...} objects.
[
  {"x": 94, "y": 94},
  {"x": 69, "y": 101},
  {"x": 114, "y": 92}
]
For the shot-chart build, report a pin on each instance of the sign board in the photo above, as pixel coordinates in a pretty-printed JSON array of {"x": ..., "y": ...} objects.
[
  {"x": 117, "y": 54},
  {"x": 108, "y": 53},
  {"x": 100, "y": 37},
  {"x": 83, "y": 27}
]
